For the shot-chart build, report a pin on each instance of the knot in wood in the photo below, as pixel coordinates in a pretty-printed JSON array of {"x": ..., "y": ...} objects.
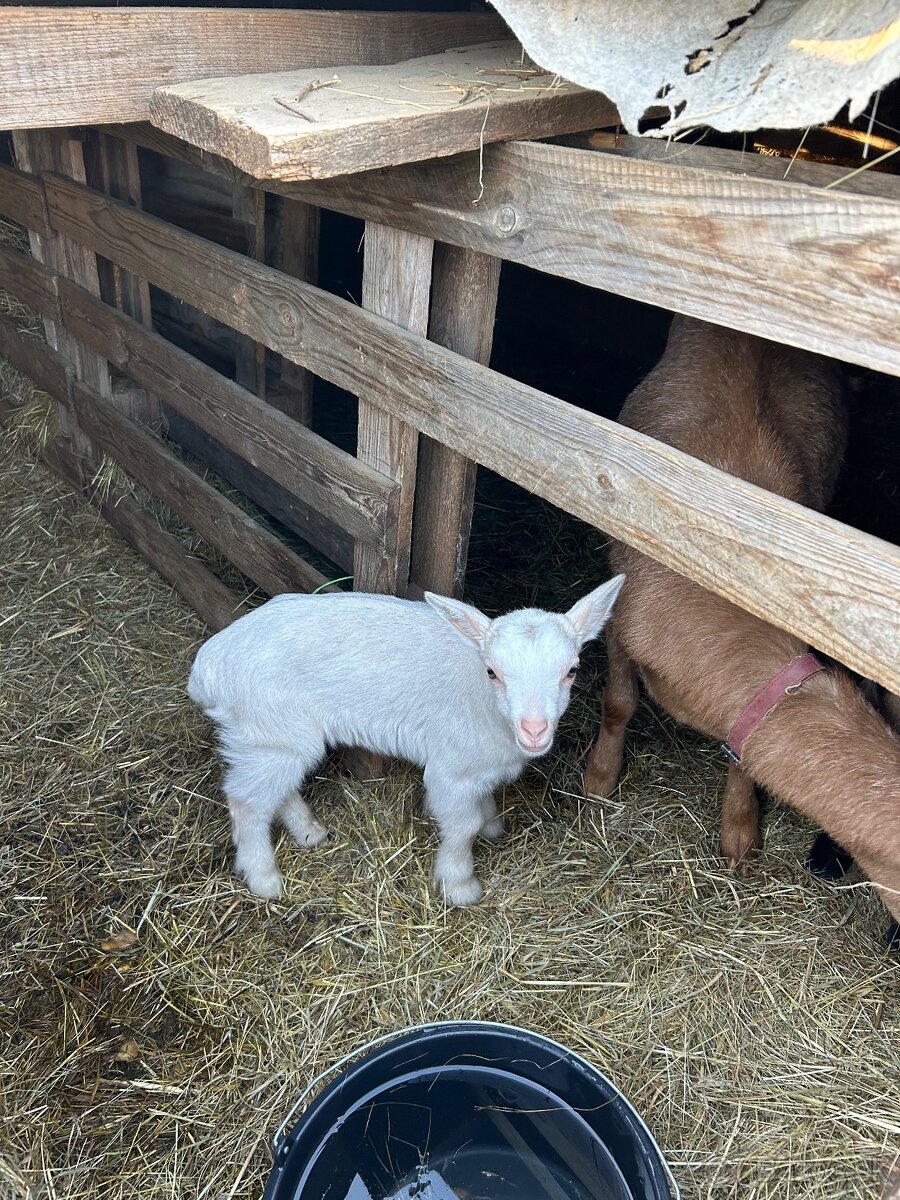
[
  {"x": 605, "y": 482},
  {"x": 287, "y": 315},
  {"x": 506, "y": 218}
]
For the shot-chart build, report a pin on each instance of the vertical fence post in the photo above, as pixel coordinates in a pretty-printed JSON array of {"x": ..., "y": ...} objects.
[
  {"x": 463, "y": 308},
  {"x": 39, "y": 150}
]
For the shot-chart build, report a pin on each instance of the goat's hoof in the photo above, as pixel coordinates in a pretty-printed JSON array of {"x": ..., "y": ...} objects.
[
  {"x": 267, "y": 885},
  {"x": 892, "y": 936},
  {"x": 314, "y": 834},
  {"x": 462, "y": 893},
  {"x": 741, "y": 845},
  {"x": 743, "y": 866},
  {"x": 600, "y": 782},
  {"x": 493, "y": 829},
  {"x": 827, "y": 860}
]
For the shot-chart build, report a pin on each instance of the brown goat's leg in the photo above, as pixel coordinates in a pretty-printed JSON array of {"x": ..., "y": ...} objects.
[
  {"x": 740, "y": 820},
  {"x": 620, "y": 699}
]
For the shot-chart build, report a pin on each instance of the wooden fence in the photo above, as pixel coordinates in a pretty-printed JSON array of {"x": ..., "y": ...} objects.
[{"x": 800, "y": 262}]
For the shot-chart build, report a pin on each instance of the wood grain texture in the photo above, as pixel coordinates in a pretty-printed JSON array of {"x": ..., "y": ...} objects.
[
  {"x": 54, "y": 150},
  {"x": 316, "y": 124},
  {"x": 249, "y": 207},
  {"x": 74, "y": 66},
  {"x": 349, "y": 493},
  {"x": 834, "y": 586},
  {"x": 799, "y": 264},
  {"x": 396, "y": 286},
  {"x": 252, "y": 549},
  {"x": 30, "y": 282},
  {"x": 296, "y": 253},
  {"x": 737, "y": 162},
  {"x": 215, "y": 603},
  {"x": 223, "y": 402},
  {"x": 809, "y": 267},
  {"x": 463, "y": 308},
  {"x": 111, "y": 166},
  {"x": 34, "y": 358},
  {"x": 326, "y": 537},
  {"x": 22, "y": 200}
]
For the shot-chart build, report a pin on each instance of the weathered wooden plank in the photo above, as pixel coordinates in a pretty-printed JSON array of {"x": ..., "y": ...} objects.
[
  {"x": 249, "y": 207},
  {"x": 351, "y": 494},
  {"x": 111, "y": 166},
  {"x": 74, "y": 66},
  {"x": 722, "y": 532},
  {"x": 220, "y": 407},
  {"x": 215, "y": 603},
  {"x": 54, "y": 150},
  {"x": 34, "y": 358},
  {"x": 396, "y": 285},
  {"x": 31, "y": 282},
  {"x": 315, "y": 124},
  {"x": 230, "y": 466},
  {"x": 463, "y": 308},
  {"x": 810, "y": 267},
  {"x": 737, "y": 162},
  {"x": 253, "y": 549},
  {"x": 148, "y": 137},
  {"x": 296, "y": 253},
  {"x": 801, "y": 264},
  {"x": 22, "y": 200}
]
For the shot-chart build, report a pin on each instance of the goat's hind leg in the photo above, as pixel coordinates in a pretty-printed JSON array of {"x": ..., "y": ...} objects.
[
  {"x": 491, "y": 821},
  {"x": 258, "y": 783},
  {"x": 828, "y": 860},
  {"x": 620, "y": 701}
]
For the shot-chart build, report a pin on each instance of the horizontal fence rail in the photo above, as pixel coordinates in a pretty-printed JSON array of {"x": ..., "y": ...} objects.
[
  {"x": 241, "y": 539},
  {"x": 804, "y": 572},
  {"x": 813, "y": 267},
  {"x": 353, "y": 495}
]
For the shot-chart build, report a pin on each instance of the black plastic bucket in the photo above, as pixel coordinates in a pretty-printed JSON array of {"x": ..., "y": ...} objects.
[{"x": 469, "y": 1111}]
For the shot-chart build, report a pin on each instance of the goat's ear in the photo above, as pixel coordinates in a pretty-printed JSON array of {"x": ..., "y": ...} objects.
[
  {"x": 469, "y": 622},
  {"x": 591, "y": 613}
]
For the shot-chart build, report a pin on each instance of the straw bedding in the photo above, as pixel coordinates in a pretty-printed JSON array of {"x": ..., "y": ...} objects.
[{"x": 158, "y": 1022}]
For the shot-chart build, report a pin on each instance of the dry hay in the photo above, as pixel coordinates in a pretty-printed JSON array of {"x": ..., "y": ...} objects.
[{"x": 158, "y": 1022}]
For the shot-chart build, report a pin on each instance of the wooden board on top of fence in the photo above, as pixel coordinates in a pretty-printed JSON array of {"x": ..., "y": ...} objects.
[{"x": 337, "y": 120}]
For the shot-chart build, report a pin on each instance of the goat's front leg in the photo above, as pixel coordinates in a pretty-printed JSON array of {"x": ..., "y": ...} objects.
[
  {"x": 740, "y": 819},
  {"x": 620, "y": 700},
  {"x": 458, "y": 809}
]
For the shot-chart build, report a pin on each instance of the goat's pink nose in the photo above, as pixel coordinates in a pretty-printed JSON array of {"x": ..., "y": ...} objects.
[{"x": 534, "y": 728}]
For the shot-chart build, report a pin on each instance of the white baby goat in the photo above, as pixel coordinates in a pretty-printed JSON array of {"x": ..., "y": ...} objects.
[{"x": 440, "y": 684}]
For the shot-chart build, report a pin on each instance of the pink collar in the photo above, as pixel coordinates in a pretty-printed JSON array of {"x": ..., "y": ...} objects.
[{"x": 785, "y": 683}]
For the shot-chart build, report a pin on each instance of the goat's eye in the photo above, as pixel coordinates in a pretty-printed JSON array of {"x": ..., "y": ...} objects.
[
  {"x": 492, "y": 674},
  {"x": 572, "y": 672}
]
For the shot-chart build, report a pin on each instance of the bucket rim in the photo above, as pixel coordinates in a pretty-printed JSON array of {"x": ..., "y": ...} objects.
[{"x": 312, "y": 1090}]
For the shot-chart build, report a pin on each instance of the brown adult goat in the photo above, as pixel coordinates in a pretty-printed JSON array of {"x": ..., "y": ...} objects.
[{"x": 774, "y": 416}]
